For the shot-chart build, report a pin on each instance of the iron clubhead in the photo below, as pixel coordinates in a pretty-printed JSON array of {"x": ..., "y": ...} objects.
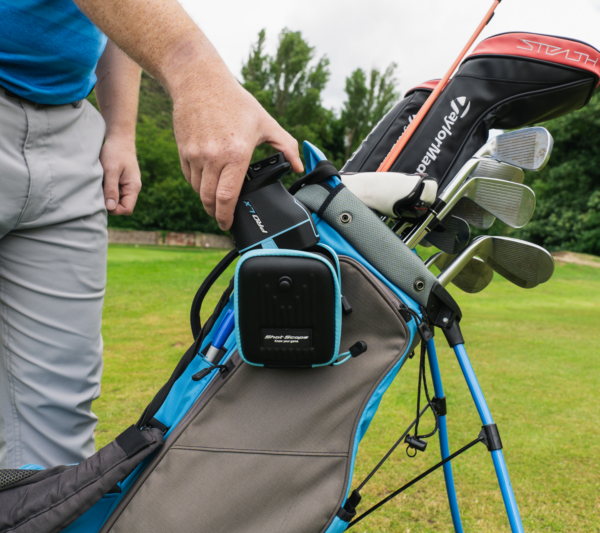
[
  {"x": 527, "y": 148},
  {"x": 491, "y": 168},
  {"x": 473, "y": 214},
  {"x": 512, "y": 203},
  {"x": 522, "y": 263},
  {"x": 473, "y": 278},
  {"x": 455, "y": 237}
]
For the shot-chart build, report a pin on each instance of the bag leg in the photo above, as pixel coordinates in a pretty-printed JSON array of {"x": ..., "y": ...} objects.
[
  {"x": 486, "y": 417},
  {"x": 443, "y": 432}
]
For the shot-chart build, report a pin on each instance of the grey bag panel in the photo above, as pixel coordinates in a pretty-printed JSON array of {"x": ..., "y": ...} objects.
[
  {"x": 217, "y": 492},
  {"x": 375, "y": 241},
  {"x": 271, "y": 450},
  {"x": 49, "y": 500}
]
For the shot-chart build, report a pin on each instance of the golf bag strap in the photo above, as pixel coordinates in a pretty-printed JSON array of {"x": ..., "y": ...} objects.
[
  {"x": 205, "y": 287},
  {"x": 322, "y": 171}
]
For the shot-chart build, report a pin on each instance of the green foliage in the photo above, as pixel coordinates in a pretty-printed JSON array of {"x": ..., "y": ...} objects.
[
  {"x": 167, "y": 202},
  {"x": 568, "y": 189},
  {"x": 289, "y": 86}
]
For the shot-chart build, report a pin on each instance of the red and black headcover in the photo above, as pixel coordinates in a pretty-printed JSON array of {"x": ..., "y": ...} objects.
[{"x": 509, "y": 81}]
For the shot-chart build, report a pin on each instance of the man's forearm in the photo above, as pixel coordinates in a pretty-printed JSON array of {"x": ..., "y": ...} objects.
[
  {"x": 161, "y": 37},
  {"x": 117, "y": 92},
  {"x": 217, "y": 123}
]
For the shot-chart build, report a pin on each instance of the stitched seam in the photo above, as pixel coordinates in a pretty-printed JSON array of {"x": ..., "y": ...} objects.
[
  {"x": 25, "y": 148},
  {"x": 45, "y": 156},
  {"x": 259, "y": 452},
  {"x": 6, "y": 341}
]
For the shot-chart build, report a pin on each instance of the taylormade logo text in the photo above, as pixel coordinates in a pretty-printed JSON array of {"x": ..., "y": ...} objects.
[{"x": 460, "y": 108}]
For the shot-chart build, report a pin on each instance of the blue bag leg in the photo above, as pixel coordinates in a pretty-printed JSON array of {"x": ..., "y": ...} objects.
[
  {"x": 444, "y": 446},
  {"x": 486, "y": 417}
]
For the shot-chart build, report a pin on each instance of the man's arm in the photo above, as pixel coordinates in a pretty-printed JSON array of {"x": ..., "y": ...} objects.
[
  {"x": 117, "y": 93},
  {"x": 217, "y": 123}
]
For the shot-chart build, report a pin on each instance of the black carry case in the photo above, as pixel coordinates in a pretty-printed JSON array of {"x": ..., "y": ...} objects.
[{"x": 509, "y": 81}]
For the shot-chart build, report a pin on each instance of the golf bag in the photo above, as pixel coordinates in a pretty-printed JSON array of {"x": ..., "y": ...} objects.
[
  {"x": 264, "y": 438},
  {"x": 509, "y": 81}
]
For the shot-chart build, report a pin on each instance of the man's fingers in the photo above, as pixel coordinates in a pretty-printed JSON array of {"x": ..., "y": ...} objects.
[
  {"x": 131, "y": 185},
  {"x": 112, "y": 176},
  {"x": 208, "y": 188},
  {"x": 228, "y": 191},
  {"x": 281, "y": 140}
]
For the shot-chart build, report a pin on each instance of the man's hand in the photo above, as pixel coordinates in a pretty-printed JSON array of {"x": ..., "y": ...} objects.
[
  {"x": 217, "y": 123},
  {"x": 216, "y": 141},
  {"x": 122, "y": 179},
  {"x": 117, "y": 92}
]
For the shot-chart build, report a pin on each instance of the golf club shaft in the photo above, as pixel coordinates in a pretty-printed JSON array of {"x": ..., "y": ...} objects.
[
  {"x": 445, "y": 200},
  {"x": 403, "y": 140}
]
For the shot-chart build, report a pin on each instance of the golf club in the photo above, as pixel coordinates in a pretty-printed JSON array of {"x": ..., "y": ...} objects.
[
  {"x": 473, "y": 278},
  {"x": 489, "y": 168},
  {"x": 512, "y": 203},
  {"x": 455, "y": 237},
  {"x": 522, "y": 263},
  {"x": 472, "y": 213},
  {"x": 527, "y": 148}
]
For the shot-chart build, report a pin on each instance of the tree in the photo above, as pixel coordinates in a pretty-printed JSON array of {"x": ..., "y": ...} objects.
[
  {"x": 367, "y": 104},
  {"x": 289, "y": 86}
]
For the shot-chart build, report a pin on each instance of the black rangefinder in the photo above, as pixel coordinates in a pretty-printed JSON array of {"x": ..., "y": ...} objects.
[{"x": 267, "y": 215}]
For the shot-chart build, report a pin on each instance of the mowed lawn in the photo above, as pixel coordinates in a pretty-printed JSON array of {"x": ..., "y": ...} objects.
[{"x": 536, "y": 354}]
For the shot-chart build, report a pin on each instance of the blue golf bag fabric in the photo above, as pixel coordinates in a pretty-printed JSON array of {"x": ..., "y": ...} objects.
[{"x": 251, "y": 449}]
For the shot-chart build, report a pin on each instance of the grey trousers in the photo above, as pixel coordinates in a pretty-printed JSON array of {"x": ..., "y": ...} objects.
[{"x": 53, "y": 242}]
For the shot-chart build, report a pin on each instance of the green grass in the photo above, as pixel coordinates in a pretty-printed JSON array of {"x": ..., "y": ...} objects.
[{"x": 536, "y": 354}]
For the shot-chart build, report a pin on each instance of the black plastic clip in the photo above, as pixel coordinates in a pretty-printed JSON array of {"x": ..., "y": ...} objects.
[
  {"x": 439, "y": 406},
  {"x": 491, "y": 437},
  {"x": 348, "y": 511},
  {"x": 416, "y": 443},
  {"x": 358, "y": 348},
  {"x": 425, "y": 332},
  {"x": 346, "y": 307}
]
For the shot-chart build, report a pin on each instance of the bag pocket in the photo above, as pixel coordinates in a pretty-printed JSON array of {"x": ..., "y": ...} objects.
[{"x": 288, "y": 308}]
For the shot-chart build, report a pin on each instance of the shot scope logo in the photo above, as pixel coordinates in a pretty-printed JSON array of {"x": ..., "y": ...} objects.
[
  {"x": 460, "y": 107},
  {"x": 252, "y": 212}
]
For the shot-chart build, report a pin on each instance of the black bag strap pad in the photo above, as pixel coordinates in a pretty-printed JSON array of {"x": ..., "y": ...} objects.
[{"x": 323, "y": 170}]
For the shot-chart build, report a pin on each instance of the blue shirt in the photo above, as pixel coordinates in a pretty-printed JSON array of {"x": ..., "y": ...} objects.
[{"x": 48, "y": 50}]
